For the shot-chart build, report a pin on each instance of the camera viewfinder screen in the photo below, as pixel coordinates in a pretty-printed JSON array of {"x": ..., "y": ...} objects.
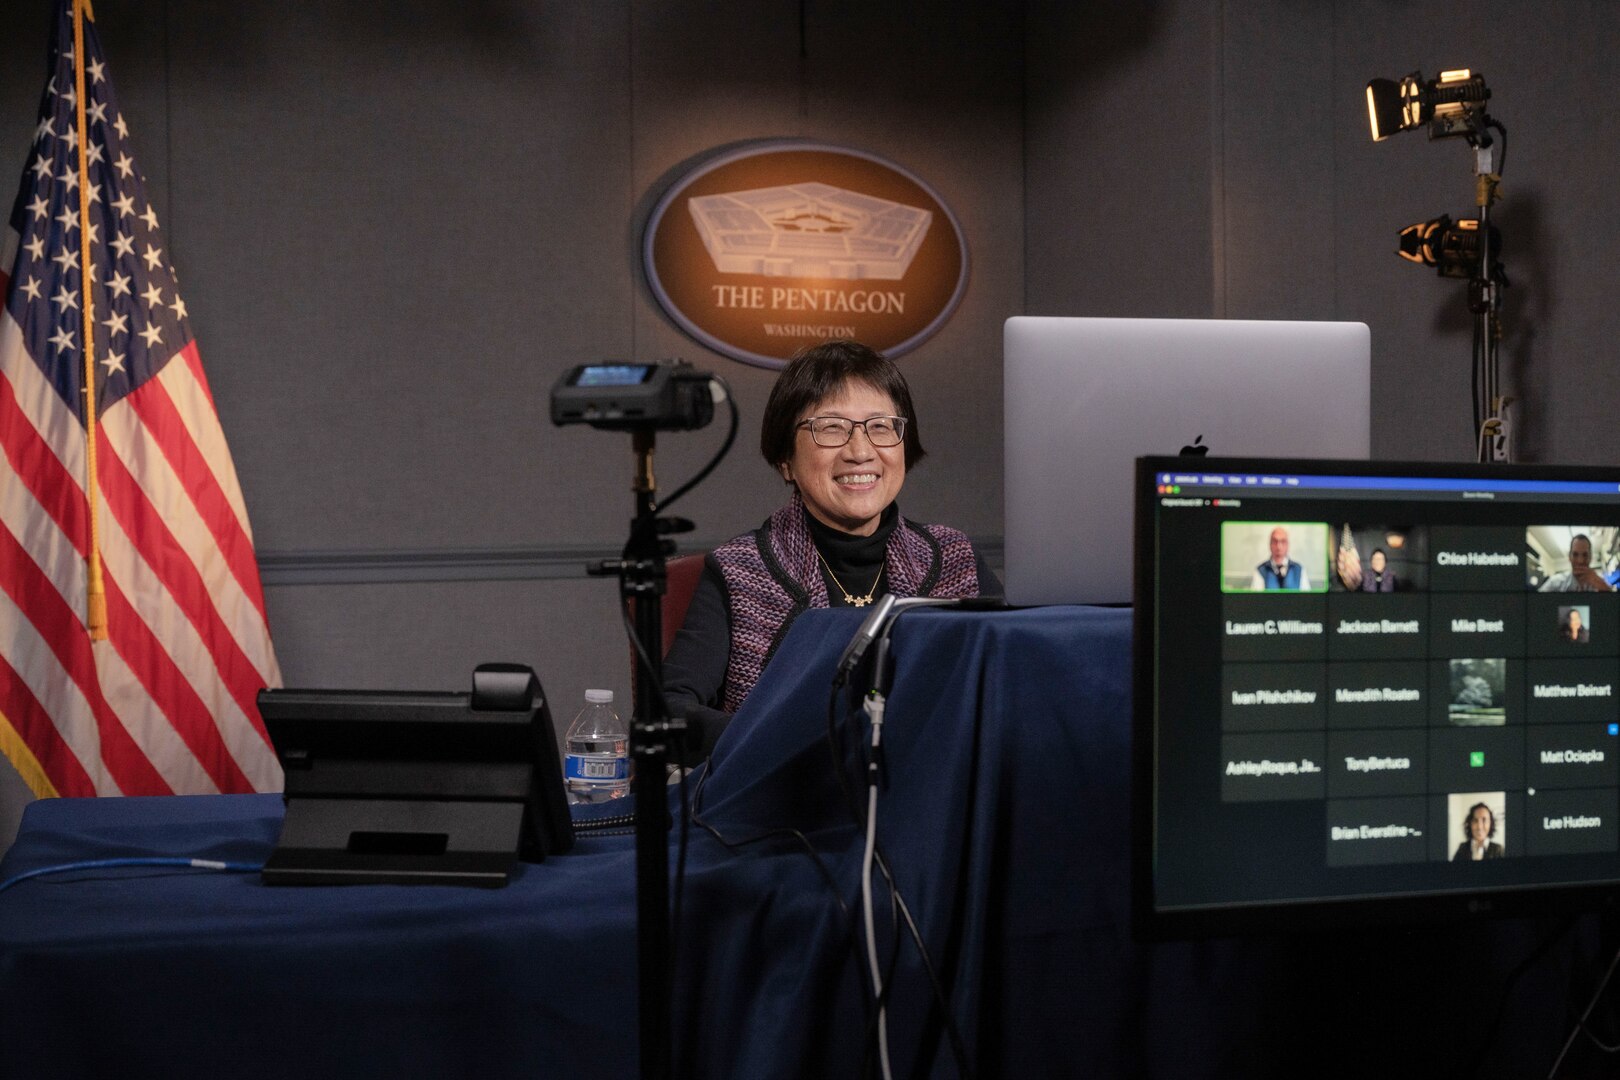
[{"x": 614, "y": 374}]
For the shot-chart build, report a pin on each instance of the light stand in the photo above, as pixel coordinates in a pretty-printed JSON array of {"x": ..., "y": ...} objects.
[
  {"x": 1453, "y": 105},
  {"x": 1485, "y": 300}
]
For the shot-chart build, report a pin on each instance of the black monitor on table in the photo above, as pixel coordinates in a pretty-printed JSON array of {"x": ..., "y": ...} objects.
[{"x": 1373, "y": 691}]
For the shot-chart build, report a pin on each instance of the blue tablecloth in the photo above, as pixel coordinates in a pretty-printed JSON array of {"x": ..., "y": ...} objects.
[{"x": 1005, "y": 818}]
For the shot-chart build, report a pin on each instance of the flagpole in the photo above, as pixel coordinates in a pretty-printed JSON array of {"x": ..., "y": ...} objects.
[{"x": 96, "y": 601}]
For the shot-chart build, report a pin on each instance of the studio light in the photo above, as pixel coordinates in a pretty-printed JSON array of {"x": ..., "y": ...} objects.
[
  {"x": 1451, "y": 247},
  {"x": 1448, "y": 104},
  {"x": 1454, "y": 105}
]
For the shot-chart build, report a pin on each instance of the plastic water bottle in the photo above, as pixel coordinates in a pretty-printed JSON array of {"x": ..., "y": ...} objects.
[{"x": 597, "y": 761}]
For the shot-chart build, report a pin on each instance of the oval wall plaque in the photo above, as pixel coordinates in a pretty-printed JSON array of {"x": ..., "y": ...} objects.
[{"x": 764, "y": 250}]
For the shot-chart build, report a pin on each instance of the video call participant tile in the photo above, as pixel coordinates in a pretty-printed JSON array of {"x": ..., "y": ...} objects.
[
  {"x": 1476, "y": 759},
  {"x": 1375, "y": 626},
  {"x": 1571, "y": 756},
  {"x": 1476, "y": 691},
  {"x": 1278, "y": 626},
  {"x": 1477, "y": 624},
  {"x": 1361, "y": 763},
  {"x": 1273, "y": 697},
  {"x": 1369, "y": 832},
  {"x": 1570, "y": 822},
  {"x": 1571, "y": 691},
  {"x": 1572, "y": 624},
  {"x": 1378, "y": 694},
  {"x": 1476, "y": 558},
  {"x": 1275, "y": 766},
  {"x": 1452, "y": 834}
]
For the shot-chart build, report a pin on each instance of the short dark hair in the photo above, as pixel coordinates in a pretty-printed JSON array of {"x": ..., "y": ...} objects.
[
  {"x": 1469, "y": 820},
  {"x": 817, "y": 373}
]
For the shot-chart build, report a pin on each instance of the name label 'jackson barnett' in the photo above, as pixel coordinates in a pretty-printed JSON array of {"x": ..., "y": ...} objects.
[{"x": 1378, "y": 626}]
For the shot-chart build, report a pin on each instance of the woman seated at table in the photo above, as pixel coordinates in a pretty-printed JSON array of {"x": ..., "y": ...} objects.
[{"x": 840, "y": 429}]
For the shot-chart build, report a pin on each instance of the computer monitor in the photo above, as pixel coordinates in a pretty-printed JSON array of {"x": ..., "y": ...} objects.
[
  {"x": 1085, "y": 397},
  {"x": 1369, "y": 691}
]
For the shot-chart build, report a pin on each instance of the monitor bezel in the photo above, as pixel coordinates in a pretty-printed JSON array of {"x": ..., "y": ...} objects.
[{"x": 1271, "y": 918}]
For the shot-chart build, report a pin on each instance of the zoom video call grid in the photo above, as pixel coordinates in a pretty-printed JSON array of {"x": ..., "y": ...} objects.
[{"x": 1396, "y": 683}]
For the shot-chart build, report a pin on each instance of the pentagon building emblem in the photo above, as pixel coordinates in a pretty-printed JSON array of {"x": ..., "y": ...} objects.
[
  {"x": 762, "y": 251},
  {"x": 809, "y": 230}
]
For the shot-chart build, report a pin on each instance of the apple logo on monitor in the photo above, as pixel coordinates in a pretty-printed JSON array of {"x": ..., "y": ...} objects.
[{"x": 1196, "y": 449}]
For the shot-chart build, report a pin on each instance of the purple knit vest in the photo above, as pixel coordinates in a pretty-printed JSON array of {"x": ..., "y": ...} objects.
[{"x": 772, "y": 574}]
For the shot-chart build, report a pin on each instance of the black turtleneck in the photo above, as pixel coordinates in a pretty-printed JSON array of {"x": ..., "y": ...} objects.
[{"x": 856, "y": 562}]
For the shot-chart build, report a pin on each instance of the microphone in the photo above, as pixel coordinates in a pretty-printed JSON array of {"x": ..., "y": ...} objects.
[
  {"x": 888, "y": 608},
  {"x": 863, "y": 638}
]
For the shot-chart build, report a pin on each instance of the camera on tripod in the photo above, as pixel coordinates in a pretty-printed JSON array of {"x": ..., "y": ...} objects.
[{"x": 670, "y": 396}]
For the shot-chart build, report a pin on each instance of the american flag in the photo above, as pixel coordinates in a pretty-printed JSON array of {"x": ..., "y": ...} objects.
[{"x": 165, "y": 704}]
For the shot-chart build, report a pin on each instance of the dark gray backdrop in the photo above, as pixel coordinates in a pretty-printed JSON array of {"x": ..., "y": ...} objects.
[{"x": 396, "y": 223}]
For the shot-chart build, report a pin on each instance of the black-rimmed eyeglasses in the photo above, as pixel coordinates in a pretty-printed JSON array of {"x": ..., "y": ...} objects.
[{"x": 838, "y": 430}]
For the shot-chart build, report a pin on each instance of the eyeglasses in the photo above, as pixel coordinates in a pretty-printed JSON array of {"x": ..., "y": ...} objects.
[{"x": 838, "y": 430}]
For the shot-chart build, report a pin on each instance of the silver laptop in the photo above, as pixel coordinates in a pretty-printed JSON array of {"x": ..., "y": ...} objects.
[{"x": 1086, "y": 397}]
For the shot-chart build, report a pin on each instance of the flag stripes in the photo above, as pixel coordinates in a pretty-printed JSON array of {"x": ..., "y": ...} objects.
[{"x": 167, "y": 702}]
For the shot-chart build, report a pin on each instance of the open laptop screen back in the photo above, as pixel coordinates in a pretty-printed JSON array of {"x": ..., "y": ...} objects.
[{"x": 1085, "y": 397}]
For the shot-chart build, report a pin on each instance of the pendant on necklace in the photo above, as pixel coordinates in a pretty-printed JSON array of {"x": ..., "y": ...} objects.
[{"x": 857, "y": 601}]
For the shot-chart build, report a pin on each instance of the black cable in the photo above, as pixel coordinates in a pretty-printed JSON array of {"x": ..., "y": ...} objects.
[
  {"x": 770, "y": 834},
  {"x": 1592, "y": 1037},
  {"x": 1580, "y": 1021},
  {"x": 1483, "y": 1045},
  {"x": 1501, "y": 158},
  {"x": 731, "y": 437}
]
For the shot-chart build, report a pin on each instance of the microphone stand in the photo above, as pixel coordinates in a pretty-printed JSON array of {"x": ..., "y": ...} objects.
[{"x": 642, "y": 580}]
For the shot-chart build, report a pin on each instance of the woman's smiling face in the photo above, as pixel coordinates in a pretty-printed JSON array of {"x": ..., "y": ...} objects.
[{"x": 848, "y": 487}]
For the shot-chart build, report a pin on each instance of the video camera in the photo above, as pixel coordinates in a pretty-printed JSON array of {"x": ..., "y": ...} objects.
[{"x": 670, "y": 396}]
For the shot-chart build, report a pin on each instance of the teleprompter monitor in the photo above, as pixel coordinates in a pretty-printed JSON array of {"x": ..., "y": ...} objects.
[
  {"x": 1370, "y": 691},
  {"x": 409, "y": 787}
]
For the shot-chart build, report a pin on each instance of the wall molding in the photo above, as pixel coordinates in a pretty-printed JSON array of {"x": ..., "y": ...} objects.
[{"x": 384, "y": 566}]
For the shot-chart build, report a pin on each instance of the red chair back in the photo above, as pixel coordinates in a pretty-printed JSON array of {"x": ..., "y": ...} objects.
[{"x": 683, "y": 572}]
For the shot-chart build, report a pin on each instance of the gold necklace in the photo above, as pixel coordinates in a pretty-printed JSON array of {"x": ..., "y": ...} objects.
[{"x": 852, "y": 601}]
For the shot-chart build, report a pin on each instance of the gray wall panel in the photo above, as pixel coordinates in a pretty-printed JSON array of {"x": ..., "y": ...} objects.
[
  {"x": 435, "y": 633},
  {"x": 396, "y": 223},
  {"x": 1275, "y": 235},
  {"x": 1119, "y": 181}
]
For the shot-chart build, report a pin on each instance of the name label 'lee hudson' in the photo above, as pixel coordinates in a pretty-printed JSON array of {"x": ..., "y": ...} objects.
[{"x": 1572, "y": 821}]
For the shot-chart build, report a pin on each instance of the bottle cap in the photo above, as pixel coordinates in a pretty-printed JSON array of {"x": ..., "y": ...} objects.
[{"x": 599, "y": 697}]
